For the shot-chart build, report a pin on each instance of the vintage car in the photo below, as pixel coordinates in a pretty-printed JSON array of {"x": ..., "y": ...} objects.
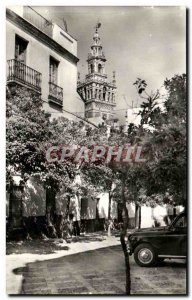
[{"x": 152, "y": 245}]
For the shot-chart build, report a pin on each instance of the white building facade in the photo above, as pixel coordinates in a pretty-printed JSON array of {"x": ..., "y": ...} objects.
[{"x": 43, "y": 57}]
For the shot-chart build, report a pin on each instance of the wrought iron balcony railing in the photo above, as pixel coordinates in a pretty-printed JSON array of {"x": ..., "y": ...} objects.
[
  {"x": 19, "y": 72},
  {"x": 55, "y": 94},
  {"x": 37, "y": 20}
]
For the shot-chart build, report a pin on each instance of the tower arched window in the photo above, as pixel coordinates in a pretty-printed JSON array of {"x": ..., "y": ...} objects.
[
  {"x": 99, "y": 68},
  {"x": 92, "y": 68},
  {"x": 104, "y": 93},
  {"x": 100, "y": 94}
]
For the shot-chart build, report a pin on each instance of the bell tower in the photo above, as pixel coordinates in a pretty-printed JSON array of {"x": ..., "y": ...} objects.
[{"x": 96, "y": 90}]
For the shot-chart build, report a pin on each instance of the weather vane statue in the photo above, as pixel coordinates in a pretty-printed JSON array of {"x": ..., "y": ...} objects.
[{"x": 98, "y": 25}]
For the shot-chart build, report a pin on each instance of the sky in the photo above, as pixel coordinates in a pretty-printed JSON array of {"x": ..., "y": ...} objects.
[{"x": 145, "y": 42}]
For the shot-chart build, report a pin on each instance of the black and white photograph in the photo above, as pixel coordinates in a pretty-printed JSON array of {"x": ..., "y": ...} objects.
[{"x": 96, "y": 150}]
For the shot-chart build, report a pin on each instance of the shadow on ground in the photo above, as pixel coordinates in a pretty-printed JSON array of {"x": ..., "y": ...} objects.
[
  {"x": 39, "y": 246},
  {"x": 177, "y": 263},
  {"x": 35, "y": 247},
  {"x": 87, "y": 238}
]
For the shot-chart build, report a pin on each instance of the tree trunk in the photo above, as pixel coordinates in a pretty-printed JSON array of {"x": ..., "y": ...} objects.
[
  {"x": 51, "y": 212},
  {"x": 16, "y": 229},
  {"x": 62, "y": 221},
  {"x": 109, "y": 209},
  {"x": 15, "y": 207},
  {"x": 109, "y": 216},
  {"x": 68, "y": 221},
  {"x": 127, "y": 265},
  {"x": 139, "y": 224},
  {"x": 67, "y": 208},
  {"x": 123, "y": 244},
  {"x": 136, "y": 215}
]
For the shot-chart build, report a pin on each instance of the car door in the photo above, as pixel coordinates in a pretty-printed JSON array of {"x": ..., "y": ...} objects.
[
  {"x": 179, "y": 227},
  {"x": 173, "y": 241}
]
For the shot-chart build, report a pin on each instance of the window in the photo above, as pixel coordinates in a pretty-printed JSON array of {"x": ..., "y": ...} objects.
[
  {"x": 90, "y": 94},
  {"x": 100, "y": 68},
  {"x": 53, "y": 70},
  {"x": 100, "y": 94},
  {"x": 20, "y": 49},
  {"x": 92, "y": 68},
  {"x": 104, "y": 92}
]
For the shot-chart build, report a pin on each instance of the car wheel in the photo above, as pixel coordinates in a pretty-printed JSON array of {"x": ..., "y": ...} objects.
[{"x": 145, "y": 255}]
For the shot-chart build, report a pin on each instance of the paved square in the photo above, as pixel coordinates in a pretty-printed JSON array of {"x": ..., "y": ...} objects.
[{"x": 101, "y": 271}]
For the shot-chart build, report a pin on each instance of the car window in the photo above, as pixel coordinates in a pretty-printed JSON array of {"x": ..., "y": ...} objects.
[{"x": 181, "y": 222}]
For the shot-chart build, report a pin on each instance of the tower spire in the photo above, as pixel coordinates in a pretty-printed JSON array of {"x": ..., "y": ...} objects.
[
  {"x": 97, "y": 91},
  {"x": 98, "y": 25},
  {"x": 96, "y": 37}
]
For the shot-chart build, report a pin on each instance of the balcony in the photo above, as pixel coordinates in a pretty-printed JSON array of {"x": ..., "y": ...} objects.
[
  {"x": 38, "y": 21},
  {"x": 98, "y": 77},
  {"x": 55, "y": 94},
  {"x": 21, "y": 73},
  {"x": 96, "y": 55}
]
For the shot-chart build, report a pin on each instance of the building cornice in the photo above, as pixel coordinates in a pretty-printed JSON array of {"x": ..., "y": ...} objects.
[{"x": 40, "y": 36}]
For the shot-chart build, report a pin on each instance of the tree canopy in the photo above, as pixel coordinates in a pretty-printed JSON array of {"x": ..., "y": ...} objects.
[{"x": 165, "y": 146}]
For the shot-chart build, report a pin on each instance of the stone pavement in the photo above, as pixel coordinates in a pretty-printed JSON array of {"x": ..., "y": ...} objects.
[
  {"x": 101, "y": 271},
  {"x": 24, "y": 252}
]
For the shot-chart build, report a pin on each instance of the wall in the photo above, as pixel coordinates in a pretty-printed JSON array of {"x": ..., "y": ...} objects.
[
  {"x": 103, "y": 205},
  {"x": 149, "y": 215},
  {"x": 132, "y": 116},
  {"x": 59, "y": 35},
  {"x": 17, "y": 9},
  {"x": 64, "y": 39},
  {"x": 88, "y": 209}
]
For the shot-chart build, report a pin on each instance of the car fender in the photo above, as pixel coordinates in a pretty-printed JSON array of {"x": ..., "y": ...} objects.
[{"x": 143, "y": 240}]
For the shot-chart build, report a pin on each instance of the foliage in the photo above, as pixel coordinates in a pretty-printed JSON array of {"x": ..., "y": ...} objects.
[
  {"x": 165, "y": 147},
  {"x": 30, "y": 132},
  {"x": 27, "y": 129}
]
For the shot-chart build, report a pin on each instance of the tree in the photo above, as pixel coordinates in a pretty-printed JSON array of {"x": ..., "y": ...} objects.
[
  {"x": 126, "y": 183},
  {"x": 30, "y": 132},
  {"x": 27, "y": 128},
  {"x": 165, "y": 148},
  {"x": 162, "y": 134},
  {"x": 87, "y": 179}
]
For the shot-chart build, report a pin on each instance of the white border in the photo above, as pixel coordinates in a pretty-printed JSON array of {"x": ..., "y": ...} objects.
[{"x": 187, "y": 3}]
